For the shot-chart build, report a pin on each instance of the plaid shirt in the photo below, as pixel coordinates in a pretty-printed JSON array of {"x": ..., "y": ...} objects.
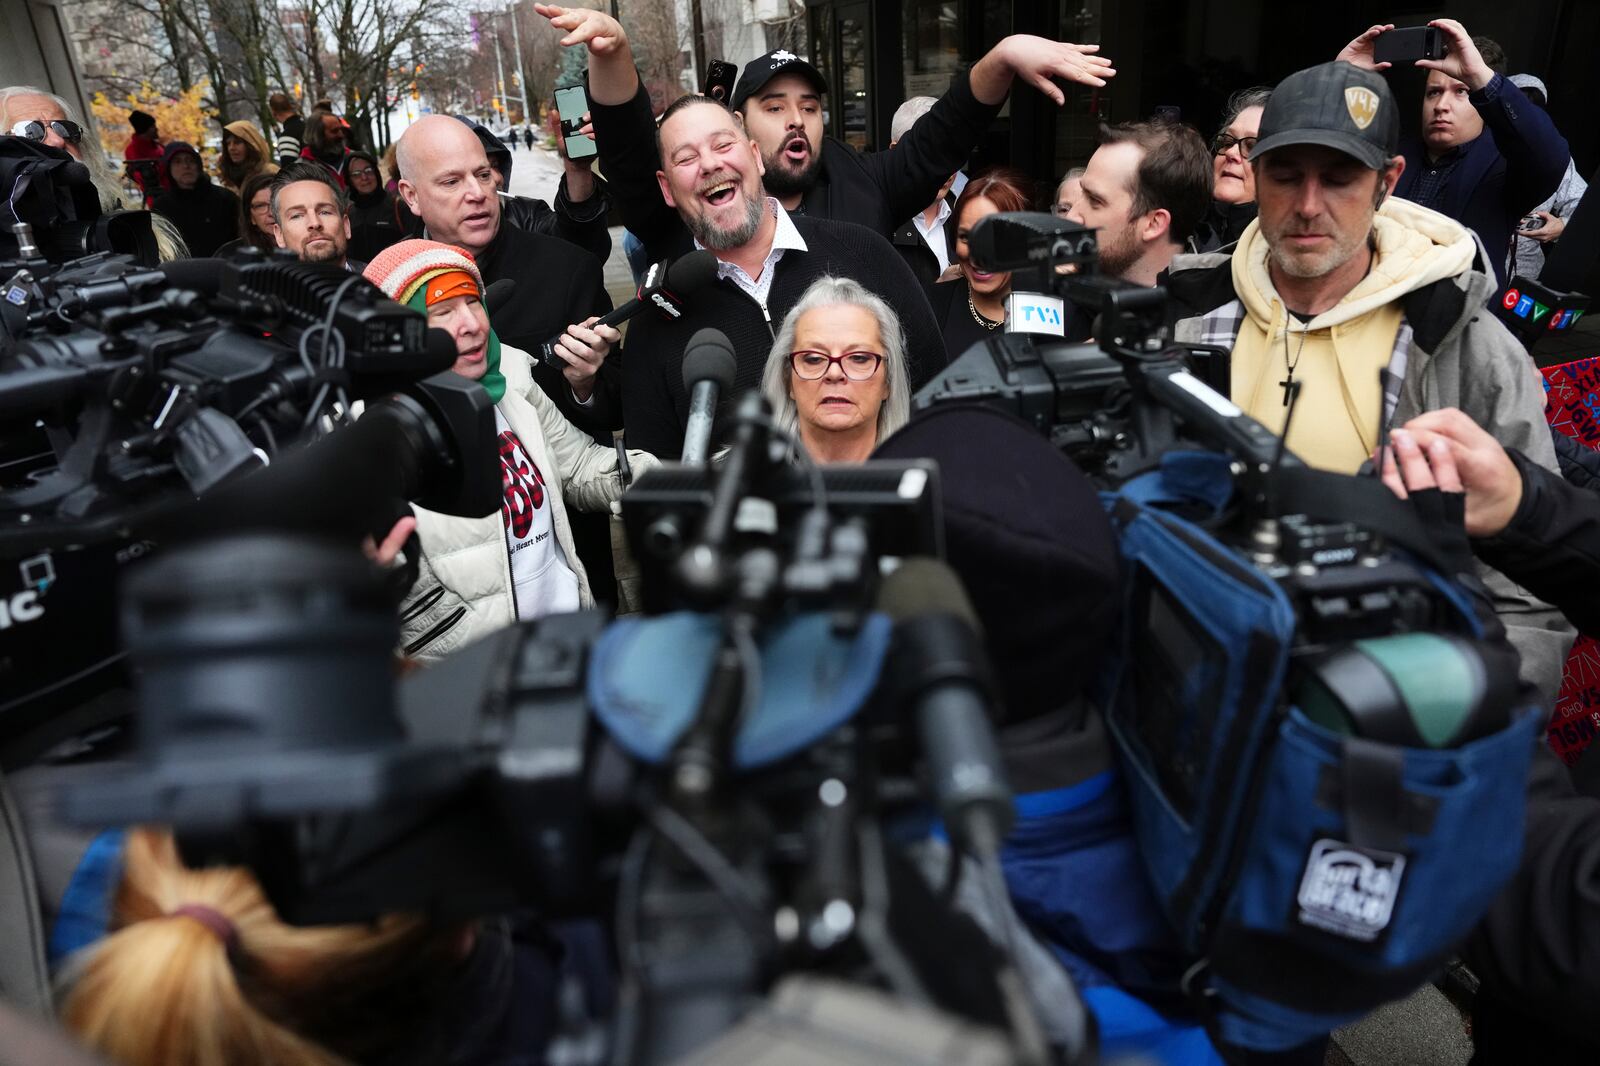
[{"x": 1431, "y": 182}]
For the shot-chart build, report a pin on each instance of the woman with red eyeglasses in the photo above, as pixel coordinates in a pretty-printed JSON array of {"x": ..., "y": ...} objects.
[{"x": 836, "y": 377}]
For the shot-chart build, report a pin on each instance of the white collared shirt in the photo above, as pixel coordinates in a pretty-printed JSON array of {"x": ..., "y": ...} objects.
[
  {"x": 787, "y": 238},
  {"x": 933, "y": 236}
]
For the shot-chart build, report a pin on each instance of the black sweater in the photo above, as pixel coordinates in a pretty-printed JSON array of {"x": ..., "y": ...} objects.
[
  {"x": 961, "y": 331},
  {"x": 874, "y": 189},
  {"x": 655, "y": 404}
]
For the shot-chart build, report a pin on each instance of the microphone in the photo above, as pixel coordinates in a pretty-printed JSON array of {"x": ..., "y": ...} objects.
[
  {"x": 939, "y": 668},
  {"x": 708, "y": 369},
  {"x": 664, "y": 287}
]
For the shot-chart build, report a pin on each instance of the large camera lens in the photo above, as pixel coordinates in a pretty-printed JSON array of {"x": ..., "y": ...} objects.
[{"x": 261, "y": 643}]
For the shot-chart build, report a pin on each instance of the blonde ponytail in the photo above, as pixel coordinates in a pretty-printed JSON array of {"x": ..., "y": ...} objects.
[{"x": 200, "y": 971}]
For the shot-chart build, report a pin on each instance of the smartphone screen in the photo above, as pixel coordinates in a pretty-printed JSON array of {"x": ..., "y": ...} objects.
[{"x": 572, "y": 104}]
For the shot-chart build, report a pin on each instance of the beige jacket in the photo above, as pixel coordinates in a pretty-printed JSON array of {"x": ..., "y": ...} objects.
[{"x": 463, "y": 589}]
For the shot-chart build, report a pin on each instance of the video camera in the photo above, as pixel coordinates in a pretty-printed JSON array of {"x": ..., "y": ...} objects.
[
  {"x": 726, "y": 774},
  {"x": 54, "y": 196},
  {"x": 127, "y": 389},
  {"x": 1122, "y": 405}
]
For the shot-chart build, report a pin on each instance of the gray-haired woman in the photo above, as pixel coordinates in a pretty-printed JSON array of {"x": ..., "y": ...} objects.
[{"x": 836, "y": 376}]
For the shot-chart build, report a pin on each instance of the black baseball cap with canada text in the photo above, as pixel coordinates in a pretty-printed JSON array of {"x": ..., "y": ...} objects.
[{"x": 763, "y": 69}]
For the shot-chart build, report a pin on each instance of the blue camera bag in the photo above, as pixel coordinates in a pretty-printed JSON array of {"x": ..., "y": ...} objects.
[{"x": 1310, "y": 889}]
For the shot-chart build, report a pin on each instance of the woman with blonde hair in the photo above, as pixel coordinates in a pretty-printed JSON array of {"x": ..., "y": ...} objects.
[
  {"x": 836, "y": 377},
  {"x": 200, "y": 971}
]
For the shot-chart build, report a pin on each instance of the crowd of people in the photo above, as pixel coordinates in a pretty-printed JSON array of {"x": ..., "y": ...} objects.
[{"x": 1342, "y": 254}]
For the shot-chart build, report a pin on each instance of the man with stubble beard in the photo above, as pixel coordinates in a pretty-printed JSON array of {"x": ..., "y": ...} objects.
[
  {"x": 778, "y": 98},
  {"x": 710, "y": 178}
]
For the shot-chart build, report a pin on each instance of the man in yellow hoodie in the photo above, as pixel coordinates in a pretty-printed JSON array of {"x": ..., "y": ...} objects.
[{"x": 1356, "y": 311}]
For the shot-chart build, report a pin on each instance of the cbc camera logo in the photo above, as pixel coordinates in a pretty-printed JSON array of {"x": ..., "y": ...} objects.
[{"x": 37, "y": 574}]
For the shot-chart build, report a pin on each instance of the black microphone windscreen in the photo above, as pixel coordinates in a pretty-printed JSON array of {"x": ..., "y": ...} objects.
[
  {"x": 497, "y": 295},
  {"x": 441, "y": 351},
  {"x": 692, "y": 272},
  {"x": 202, "y": 275},
  {"x": 709, "y": 357},
  {"x": 922, "y": 585}
]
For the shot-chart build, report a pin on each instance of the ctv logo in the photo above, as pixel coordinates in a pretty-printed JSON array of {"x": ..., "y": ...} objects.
[{"x": 1527, "y": 307}]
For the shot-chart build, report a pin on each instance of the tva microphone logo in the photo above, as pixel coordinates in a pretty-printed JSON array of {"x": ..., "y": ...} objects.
[{"x": 1524, "y": 306}]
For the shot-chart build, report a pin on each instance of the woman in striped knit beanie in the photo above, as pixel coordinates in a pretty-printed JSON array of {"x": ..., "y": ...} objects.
[{"x": 477, "y": 575}]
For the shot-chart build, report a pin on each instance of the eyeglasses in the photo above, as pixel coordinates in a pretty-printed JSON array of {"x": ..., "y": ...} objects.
[
  {"x": 1060, "y": 210},
  {"x": 36, "y": 130},
  {"x": 363, "y": 172},
  {"x": 1224, "y": 141},
  {"x": 857, "y": 366}
]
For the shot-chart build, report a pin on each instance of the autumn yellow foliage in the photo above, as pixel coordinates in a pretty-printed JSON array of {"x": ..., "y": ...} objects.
[{"x": 181, "y": 118}]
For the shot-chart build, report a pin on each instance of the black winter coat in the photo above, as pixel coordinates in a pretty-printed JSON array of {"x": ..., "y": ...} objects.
[
  {"x": 207, "y": 215},
  {"x": 373, "y": 224}
]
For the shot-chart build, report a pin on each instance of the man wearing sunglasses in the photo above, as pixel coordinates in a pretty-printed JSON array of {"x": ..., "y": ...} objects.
[{"x": 41, "y": 117}]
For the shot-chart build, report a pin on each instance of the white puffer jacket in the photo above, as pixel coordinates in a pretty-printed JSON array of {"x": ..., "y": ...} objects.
[{"x": 463, "y": 589}]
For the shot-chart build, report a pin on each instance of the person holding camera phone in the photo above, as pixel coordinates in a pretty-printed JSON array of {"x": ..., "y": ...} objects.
[
  {"x": 1485, "y": 155},
  {"x": 1543, "y": 226}
]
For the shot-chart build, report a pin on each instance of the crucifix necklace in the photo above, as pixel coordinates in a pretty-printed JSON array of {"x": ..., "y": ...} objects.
[{"x": 1289, "y": 384}]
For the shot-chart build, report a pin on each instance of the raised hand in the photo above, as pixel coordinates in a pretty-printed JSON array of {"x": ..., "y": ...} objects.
[
  {"x": 1462, "y": 60},
  {"x": 595, "y": 30},
  {"x": 1036, "y": 60},
  {"x": 1359, "y": 51}
]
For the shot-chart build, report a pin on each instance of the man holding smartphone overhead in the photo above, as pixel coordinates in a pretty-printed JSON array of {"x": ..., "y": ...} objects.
[
  {"x": 779, "y": 98},
  {"x": 1486, "y": 156}
]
